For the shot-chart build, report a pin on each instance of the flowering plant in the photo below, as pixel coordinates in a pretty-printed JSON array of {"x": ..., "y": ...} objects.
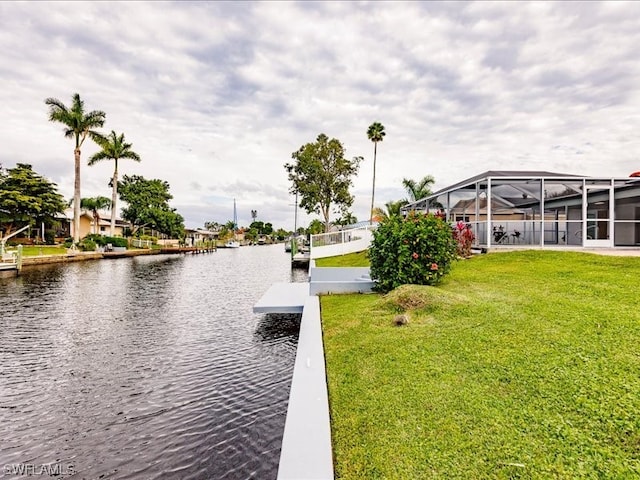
[
  {"x": 464, "y": 238},
  {"x": 416, "y": 250}
]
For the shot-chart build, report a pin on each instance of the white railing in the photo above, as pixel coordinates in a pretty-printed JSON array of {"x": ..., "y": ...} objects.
[
  {"x": 342, "y": 242},
  {"x": 137, "y": 243}
]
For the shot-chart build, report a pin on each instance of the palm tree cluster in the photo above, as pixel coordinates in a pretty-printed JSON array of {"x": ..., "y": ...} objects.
[{"x": 78, "y": 126}]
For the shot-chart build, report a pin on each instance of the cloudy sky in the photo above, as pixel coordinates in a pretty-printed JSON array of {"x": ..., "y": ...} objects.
[{"x": 215, "y": 96}]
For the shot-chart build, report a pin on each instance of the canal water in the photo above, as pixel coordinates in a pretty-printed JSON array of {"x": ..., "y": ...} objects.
[{"x": 146, "y": 367}]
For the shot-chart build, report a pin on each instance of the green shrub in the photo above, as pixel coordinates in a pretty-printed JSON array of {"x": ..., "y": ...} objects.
[
  {"x": 115, "y": 241},
  {"x": 417, "y": 250},
  {"x": 96, "y": 238},
  {"x": 67, "y": 242},
  {"x": 87, "y": 245},
  {"x": 103, "y": 240}
]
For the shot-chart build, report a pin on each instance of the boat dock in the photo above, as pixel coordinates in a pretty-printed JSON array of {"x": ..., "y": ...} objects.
[
  {"x": 10, "y": 262},
  {"x": 300, "y": 260},
  {"x": 283, "y": 298},
  {"x": 8, "y": 269}
]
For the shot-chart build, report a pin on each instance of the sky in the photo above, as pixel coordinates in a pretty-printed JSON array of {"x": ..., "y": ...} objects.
[{"x": 215, "y": 96}]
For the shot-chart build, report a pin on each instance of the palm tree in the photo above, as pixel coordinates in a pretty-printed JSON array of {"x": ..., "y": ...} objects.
[
  {"x": 94, "y": 204},
  {"x": 376, "y": 134},
  {"x": 78, "y": 125},
  {"x": 418, "y": 190},
  {"x": 348, "y": 218},
  {"x": 114, "y": 148},
  {"x": 392, "y": 209}
]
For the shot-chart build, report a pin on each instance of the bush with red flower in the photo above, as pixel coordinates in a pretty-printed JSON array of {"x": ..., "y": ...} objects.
[
  {"x": 464, "y": 238},
  {"x": 418, "y": 249}
]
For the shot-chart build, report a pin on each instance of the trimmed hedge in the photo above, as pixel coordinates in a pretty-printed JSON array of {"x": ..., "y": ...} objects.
[{"x": 103, "y": 240}]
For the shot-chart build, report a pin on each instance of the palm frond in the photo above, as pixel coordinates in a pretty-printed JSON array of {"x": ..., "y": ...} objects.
[
  {"x": 131, "y": 156},
  {"x": 97, "y": 157},
  {"x": 376, "y": 132},
  {"x": 96, "y": 136},
  {"x": 94, "y": 119},
  {"x": 113, "y": 147}
]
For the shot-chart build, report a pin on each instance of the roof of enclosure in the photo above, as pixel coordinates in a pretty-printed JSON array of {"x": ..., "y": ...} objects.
[{"x": 501, "y": 174}]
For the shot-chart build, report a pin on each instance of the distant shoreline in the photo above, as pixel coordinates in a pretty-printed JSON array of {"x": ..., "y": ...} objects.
[{"x": 84, "y": 256}]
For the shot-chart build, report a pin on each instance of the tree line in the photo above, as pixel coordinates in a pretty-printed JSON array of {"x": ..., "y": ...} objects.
[{"x": 320, "y": 175}]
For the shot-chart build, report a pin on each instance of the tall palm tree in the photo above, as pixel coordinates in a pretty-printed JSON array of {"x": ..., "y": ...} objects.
[
  {"x": 94, "y": 204},
  {"x": 114, "y": 148},
  {"x": 376, "y": 134},
  {"x": 420, "y": 189},
  {"x": 78, "y": 126}
]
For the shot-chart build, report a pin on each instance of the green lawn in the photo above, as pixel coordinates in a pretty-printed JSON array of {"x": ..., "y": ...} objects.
[
  {"x": 520, "y": 365},
  {"x": 35, "y": 250},
  {"x": 359, "y": 259}
]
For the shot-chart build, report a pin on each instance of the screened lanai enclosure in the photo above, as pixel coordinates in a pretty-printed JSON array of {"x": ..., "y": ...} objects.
[{"x": 510, "y": 208}]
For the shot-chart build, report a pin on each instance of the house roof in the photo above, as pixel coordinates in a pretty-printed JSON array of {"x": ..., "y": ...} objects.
[
  {"x": 105, "y": 217},
  {"x": 106, "y": 221},
  {"x": 504, "y": 173},
  {"x": 201, "y": 231},
  {"x": 68, "y": 214}
]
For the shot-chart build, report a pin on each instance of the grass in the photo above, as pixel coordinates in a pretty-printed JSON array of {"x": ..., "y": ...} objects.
[
  {"x": 36, "y": 250},
  {"x": 520, "y": 365},
  {"x": 358, "y": 259}
]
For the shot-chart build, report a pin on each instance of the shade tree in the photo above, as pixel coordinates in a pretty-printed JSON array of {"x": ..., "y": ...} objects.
[
  {"x": 148, "y": 205},
  {"x": 28, "y": 198},
  {"x": 321, "y": 176}
]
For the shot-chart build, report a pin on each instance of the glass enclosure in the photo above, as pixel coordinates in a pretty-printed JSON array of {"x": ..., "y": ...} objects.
[{"x": 544, "y": 210}]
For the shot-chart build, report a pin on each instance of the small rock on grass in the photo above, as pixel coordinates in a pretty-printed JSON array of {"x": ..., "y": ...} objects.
[{"x": 401, "y": 320}]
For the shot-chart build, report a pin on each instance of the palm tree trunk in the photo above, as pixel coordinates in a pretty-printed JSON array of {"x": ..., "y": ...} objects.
[
  {"x": 76, "y": 197},
  {"x": 373, "y": 192},
  {"x": 114, "y": 197}
]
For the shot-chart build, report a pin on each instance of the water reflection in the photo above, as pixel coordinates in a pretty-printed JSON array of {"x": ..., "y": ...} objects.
[{"x": 150, "y": 367}]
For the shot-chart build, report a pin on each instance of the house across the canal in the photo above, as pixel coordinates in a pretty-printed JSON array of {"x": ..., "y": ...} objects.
[{"x": 537, "y": 208}]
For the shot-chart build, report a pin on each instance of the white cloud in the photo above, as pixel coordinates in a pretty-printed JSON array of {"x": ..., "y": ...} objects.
[{"x": 215, "y": 96}]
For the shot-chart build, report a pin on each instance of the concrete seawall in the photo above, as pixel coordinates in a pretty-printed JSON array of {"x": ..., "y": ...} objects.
[
  {"x": 66, "y": 258},
  {"x": 306, "y": 444}
]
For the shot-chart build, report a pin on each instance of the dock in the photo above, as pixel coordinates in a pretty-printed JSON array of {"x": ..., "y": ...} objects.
[
  {"x": 8, "y": 269},
  {"x": 283, "y": 298},
  {"x": 10, "y": 262},
  {"x": 300, "y": 259}
]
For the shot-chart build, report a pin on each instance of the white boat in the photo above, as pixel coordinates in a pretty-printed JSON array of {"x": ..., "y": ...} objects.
[{"x": 232, "y": 244}]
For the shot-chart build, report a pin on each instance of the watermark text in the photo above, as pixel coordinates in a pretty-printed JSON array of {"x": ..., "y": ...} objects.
[{"x": 32, "y": 469}]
